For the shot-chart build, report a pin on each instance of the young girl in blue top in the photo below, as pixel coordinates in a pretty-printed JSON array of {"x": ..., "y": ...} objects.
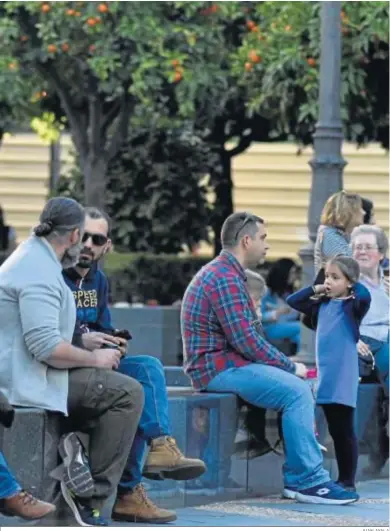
[{"x": 336, "y": 309}]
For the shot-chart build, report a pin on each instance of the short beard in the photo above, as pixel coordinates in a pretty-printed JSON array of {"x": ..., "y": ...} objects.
[
  {"x": 71, "y": 256},
  {"x": 85, "y": 263}
]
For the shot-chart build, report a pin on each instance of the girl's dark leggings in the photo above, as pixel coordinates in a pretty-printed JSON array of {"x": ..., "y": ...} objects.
[{"x": 340, "y": 419}]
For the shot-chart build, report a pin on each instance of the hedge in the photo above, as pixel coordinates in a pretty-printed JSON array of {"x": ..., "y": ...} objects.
[{"x": 145, "y": 277}]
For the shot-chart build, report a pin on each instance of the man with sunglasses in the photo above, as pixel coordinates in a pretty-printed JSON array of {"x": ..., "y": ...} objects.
[{"x": 165, "y": 460}]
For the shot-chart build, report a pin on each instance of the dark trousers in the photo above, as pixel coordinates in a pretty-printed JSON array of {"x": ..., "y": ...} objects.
[
  {"x": 340, "y": 419},
  {"x": 107, "y": 406}
]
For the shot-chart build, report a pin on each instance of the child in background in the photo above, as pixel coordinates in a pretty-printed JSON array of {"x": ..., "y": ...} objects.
[{"x": 336, "y": 309}]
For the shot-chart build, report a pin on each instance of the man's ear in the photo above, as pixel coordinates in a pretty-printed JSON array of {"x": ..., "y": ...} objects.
[
  {"x": 108, "y": 246},
  {"x": 75, "y": 236}
]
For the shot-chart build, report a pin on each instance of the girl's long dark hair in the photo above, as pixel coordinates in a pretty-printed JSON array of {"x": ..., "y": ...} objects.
[{"x": 277, "y": 280}]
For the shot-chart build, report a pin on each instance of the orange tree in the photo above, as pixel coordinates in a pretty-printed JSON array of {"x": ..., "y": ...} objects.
[
  {"x": 229, "y": 72},
  {"x": 110, "y": 64}
]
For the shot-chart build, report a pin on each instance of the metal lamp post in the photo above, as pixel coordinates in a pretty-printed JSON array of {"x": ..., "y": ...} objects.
[{"x": 328, "y": 163}]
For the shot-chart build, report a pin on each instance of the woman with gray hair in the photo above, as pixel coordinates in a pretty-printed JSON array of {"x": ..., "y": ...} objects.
[{"x": 369, "y": 247}]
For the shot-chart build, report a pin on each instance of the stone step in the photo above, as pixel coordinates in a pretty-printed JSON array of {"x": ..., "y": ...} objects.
[{"x": 205, "y": 425}]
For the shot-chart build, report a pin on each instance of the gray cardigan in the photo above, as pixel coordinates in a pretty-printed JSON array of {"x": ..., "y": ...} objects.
[{"x": 37, "y": 312}]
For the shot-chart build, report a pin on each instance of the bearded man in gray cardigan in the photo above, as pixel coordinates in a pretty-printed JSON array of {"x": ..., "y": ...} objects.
[{"x": 40, "y": 368}]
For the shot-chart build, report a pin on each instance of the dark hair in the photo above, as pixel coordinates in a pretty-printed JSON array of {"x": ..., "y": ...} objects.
[
  {"x": 238, "y": 225},
  {"x": 59, "y": 216},
  {"x": 368, "y": 207},
  {"x": 96, "y": 213},
  {"x": 347, "y": 265},
  {"x": 277, "y": 279},
  {"x": 4, "y": 232}
]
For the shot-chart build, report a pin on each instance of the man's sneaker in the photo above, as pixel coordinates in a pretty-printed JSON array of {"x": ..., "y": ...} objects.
[
  {"x": 166, "y": 459},
  {"x": 328, "y": 493},
  {"x": 135, "y": 506},
  {"x": 26, "y": 506},
  {"x": 77, "y": 474},
  {"x": 85, "y": 515},
  {"x": 289, "y": 493}
]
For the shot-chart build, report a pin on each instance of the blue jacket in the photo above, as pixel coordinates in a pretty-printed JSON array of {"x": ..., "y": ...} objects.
[
  {"x": 355, "y": 307},
  {"x": 91, "y": 298}
]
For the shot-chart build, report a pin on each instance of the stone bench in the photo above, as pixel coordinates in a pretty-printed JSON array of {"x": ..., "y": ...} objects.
[{"x": 205, "y": 426}]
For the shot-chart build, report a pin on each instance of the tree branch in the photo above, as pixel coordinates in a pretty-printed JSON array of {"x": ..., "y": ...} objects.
[
  {"x": 120, "y": 133},
  {"x": 110, "y": 116},
  {"x": 244, "y": 143},
  {"x": 95, "y": 115}
]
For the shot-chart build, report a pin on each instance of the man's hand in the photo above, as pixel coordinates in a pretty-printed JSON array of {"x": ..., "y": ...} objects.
[
  {"x": 107, "y": 358},
  {"x": 301, "y": 370},
  {"x": 96, "y": 340},
  {"x": 363, "y": 349}
]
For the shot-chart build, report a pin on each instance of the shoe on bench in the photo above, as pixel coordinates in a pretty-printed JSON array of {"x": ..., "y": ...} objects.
[{"x": 166, "y": 460}]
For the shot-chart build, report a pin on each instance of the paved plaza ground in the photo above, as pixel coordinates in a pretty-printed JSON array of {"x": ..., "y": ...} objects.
[{"x": 372, "y": 511}]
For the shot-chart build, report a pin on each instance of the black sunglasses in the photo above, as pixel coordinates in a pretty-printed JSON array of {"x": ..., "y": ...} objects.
[
  {"x": 246, "y": 220},
  {"x": 97, "y": 239}
]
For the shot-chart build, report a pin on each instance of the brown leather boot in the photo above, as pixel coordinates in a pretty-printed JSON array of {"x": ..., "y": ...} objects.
[
  {"x": 24, "y": 505},
  {"x": 165, "y": 459},
  {"x": 135, "y": 506}
]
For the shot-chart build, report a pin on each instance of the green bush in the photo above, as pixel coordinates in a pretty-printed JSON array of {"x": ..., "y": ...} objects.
[
  {"x": 139, "y": 277},
  {"x": 147, "y": 276}
]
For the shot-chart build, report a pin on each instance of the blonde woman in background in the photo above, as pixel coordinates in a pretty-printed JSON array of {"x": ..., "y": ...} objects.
[{"x": 341, "y": 214}]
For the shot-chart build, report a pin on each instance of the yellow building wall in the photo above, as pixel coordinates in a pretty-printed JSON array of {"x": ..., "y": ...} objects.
[
  {"x": 272, "y": 181},
  {"x": 269, "y": 180}
]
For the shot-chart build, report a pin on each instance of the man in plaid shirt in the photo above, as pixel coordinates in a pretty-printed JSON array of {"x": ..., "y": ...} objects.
[{"x": 224, "y": 352}]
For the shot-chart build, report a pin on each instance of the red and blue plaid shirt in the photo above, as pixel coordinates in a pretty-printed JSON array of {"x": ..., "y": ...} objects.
[{"x": 218, "y": 324}]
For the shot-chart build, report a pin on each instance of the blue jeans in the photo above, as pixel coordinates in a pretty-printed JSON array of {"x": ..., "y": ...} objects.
[
  {"x": 272, "y": 388},
  {"x": 286, "y": 330},
  {"x": 154, "y": 422},
  {"x": 380, "y": 349},
  {"x": 8, "y": 484}
]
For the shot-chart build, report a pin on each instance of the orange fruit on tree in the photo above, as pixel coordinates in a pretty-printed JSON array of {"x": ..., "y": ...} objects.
[
  {"x": 177, "y": 77},
  {"x": 287, "y": 28},
  {"x": 213, "y": 8},
  {"x": 52, "y": 48},
  {"x": 311, "y": 61},
  {"x": 248, "y": 67},
  {"x": 102, "y": 8},
  {"x": 71, "y": 12},
  {"x": 250, "y": 25},
  {"x": 175, "y": 63},
  {"x": 45, "y": 8},
  {"x": 91, "y": 21},
  {"x": 254, "y": 56},
  {"x": 65, "y": 47},
  {"x": 12, "y": 66}
]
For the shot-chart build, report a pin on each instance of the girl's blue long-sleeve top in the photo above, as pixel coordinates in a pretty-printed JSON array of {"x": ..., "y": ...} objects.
[{"x": 355, "y": 306}]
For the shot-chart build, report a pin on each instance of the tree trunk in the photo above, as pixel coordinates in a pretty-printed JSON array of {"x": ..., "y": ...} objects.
[
  {"x": 221, "y": 181},
  {"x": 94, "y": 171}
]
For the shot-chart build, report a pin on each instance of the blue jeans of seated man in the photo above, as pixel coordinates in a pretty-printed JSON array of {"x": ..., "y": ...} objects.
[
  {"x": 286, "y": 330},
  {"x": 8, "y": 484},
  {"x": 272, "y": 388},
  {"x": 380, "y": 349},
  {"x": 154, "y": 422}
]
